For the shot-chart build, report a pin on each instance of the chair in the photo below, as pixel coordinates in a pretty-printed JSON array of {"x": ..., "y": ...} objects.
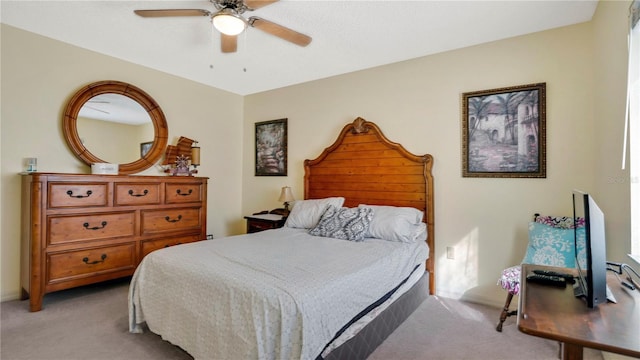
[{"x": 551, "y": 242}]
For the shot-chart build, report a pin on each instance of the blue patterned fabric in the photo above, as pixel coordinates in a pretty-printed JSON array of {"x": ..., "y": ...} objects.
[
  {"x": 344, "y": 223},
  {"x": 554, "y": 246},
  {"x": 582, "y": 248}
]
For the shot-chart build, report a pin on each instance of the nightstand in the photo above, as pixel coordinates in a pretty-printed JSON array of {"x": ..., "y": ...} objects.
[{"x": 260, "y": 222}]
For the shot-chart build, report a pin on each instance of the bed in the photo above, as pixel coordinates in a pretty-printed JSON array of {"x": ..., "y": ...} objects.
[{"x": 353, "y": 260}]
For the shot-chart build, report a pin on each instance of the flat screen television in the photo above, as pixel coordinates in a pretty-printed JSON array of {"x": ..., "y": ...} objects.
[{"x": 591, "y": 260}]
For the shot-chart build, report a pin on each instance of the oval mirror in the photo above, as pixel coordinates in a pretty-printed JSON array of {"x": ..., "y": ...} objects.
[{"x": 115, "y": 122}]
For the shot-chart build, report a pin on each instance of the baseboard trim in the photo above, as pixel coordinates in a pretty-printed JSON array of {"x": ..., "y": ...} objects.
[{"x": 10, "y": 297}]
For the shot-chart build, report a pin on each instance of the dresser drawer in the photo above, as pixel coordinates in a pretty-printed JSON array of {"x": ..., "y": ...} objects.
[
  {"x": 67, "y": 229},
  {"x": 179, "y": 219},
  {"x": 137, "y": 194},
  {"x": 86, "y": 262},
  {"x": 77, "y": 194},
  {"x": 182, "y": 193},
  {"x": 148, "y": 246},
  {"x": 80, "y": 229}
]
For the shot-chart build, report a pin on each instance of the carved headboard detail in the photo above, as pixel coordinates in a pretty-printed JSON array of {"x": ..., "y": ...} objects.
[{"x": 364, "y": 167}]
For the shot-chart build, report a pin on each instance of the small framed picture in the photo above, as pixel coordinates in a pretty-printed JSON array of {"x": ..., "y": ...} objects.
[
  {"x": 145, "y": 147},
  {"x": 504, "y": 132},
  {"x": 271, "y": 148}
]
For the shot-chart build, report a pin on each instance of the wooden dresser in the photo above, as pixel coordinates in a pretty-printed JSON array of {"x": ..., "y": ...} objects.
[{"x": 80, "y": 229}]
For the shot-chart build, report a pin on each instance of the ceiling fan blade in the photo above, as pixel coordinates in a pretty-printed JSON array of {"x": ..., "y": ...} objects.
[
  {"x": 172, "y": 12},
  {"x": 257, "y": 4},
  {"x": 99, "y": 110},
  {"x": 228, "y": 43},
  {"x": 279, "y": 31}
]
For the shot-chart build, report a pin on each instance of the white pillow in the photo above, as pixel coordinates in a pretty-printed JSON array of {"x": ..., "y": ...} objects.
[
  {"x": 419, "y": 233},
  {"x": 394, "y": 223},
  {"x": 305, "y": 214}
]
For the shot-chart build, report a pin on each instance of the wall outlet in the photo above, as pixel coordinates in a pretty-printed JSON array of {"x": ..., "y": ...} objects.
[
  {"x": 209, "y": 236},
  {"x": 451, "y": 252}
]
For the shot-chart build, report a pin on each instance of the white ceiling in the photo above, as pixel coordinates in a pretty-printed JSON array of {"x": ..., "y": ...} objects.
[
  {"x": 347, "y": 35},
  {"x": 115, "y": 108}
]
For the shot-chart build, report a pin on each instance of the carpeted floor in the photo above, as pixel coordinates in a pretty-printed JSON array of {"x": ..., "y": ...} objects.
[{"x": 91, "y": 323}]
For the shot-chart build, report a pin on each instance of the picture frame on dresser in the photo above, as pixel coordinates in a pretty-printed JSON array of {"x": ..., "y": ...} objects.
[
  {"x": 271, "y": 148},
  {"x": 504, "y": 132}
]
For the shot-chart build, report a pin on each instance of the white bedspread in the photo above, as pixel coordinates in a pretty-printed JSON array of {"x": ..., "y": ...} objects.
[{"x": 277, "y": 294}]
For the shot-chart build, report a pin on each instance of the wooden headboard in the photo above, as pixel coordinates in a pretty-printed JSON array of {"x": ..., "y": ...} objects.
[{"x": 364, "y": 167}]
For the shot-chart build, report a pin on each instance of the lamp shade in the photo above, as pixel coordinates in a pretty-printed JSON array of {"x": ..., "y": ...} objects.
[
  {"x": 286, "y": 195},
  {"x": 228, "y": 22},
  {"x": 195, "y": 156}
]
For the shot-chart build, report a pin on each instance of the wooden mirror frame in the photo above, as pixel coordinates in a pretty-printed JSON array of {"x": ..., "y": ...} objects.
[{"x": 70, "y": 129}]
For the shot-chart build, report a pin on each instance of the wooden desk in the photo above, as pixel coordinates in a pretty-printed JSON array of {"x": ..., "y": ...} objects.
[{"x": 555, "y": 313}]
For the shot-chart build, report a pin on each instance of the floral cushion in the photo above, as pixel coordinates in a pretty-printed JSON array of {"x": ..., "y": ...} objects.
[
  {"x": 344, "y": 223},
  {"x": 554, "y": 244},
  {"x": 561, "y": 222},
  {"x": 582, "y": 247},
  {"x": 510, "y": 279},
  {"x": 551, "y": 242}
]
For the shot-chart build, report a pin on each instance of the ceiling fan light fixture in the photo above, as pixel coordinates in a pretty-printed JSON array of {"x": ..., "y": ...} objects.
[{"x": 229, "y": 22}]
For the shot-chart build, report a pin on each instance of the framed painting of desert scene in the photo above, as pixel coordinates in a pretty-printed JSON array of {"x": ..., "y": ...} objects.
[
  {"x": 271, "y": 148},
  {"x": 504, "y": 132}
]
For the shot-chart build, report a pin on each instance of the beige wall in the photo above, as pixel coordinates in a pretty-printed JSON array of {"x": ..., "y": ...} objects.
[
  {"x": 39, "y": 76},
  {"x": 610, "y": 77},
  {"x": 416, "y": 103},
  {"x": 126, "y": 139}
]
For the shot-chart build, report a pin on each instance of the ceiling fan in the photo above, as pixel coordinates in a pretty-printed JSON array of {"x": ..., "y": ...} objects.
[{"x": 229, "y": 21}]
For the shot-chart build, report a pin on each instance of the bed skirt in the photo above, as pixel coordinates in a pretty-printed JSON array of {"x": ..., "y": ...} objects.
[{"x": 374, "y": 333}]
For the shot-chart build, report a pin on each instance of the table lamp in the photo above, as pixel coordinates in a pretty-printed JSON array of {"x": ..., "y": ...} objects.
[
  {"x": 286, "y": 196},
  {"x": 195, "y": 155}
]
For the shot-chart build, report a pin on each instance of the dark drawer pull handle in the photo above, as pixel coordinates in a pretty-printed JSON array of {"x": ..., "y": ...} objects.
[
  {"x": 102, "y": 258},
  {"x": 181, "y": 194},
  {"x": 86, "y": 226},
  {"x": 70, "y": 193},
  {"x": 168, "y": 245},
  {"x": 144, "y": 193},
  {"x": 173, "y": 220}
]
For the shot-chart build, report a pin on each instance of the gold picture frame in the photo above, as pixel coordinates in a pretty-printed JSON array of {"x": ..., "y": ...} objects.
[
  {"x": 271, "y": 148},
  {"x": 504, "y": 132}
]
